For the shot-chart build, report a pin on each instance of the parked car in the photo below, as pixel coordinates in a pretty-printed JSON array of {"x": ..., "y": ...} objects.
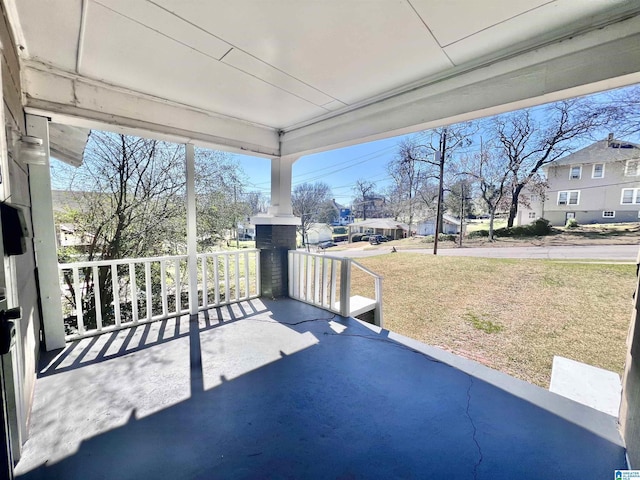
[
  {"x": 327, "y": 244},
  {"x": 376, "y": 239}
]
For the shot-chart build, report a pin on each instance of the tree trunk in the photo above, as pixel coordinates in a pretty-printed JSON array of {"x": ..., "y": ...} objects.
[
  {"x": 492, "y": 214},
  {"x": 513, "y": 208}
]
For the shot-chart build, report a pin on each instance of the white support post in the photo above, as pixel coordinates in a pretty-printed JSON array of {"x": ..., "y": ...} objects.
[
  {"x": 192, "y": 245},
  {"x": 281, "y": 186},
  {"x": 345, "y": 287},
  {"x": 44, "y": 239}
]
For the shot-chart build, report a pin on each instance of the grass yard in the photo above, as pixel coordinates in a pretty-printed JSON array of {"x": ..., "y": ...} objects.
[{"x": 512, "y": 315}]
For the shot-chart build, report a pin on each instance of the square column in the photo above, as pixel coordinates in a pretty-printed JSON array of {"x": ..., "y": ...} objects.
[
  {"x": 276, "y": 231},
  {"x": 44, "y": 239},
  {"x": 274, "y": 243}
]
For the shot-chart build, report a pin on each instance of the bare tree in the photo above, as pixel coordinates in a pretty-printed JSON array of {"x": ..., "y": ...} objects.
[
  {"x": 436, "y": 149},
  {"x": 530, "y": 141},
  {"x": 622, "y": 110},
  {"x": 220, "y": 201},
  {"x": 307, "y": 201},
  {"x": 492, "y": 176},
  {"x": 128, "y": 197},
  {"x": 363, "y": 189},
  {"x": 258, "y": 202},
  {"x": 410, "y": 175}
]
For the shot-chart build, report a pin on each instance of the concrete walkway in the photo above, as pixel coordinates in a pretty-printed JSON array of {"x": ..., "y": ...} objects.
[
  {"x": 627, "y": 253},
  {"x": 280, "y": 389}
]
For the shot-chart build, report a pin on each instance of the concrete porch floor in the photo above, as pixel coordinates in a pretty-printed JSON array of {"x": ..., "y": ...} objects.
[{"x": 280, "y": 389}]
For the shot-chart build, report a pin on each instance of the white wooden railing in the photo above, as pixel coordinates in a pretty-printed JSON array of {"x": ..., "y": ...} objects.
[
  {"x": 160, "y": 289},
  {"x": 325, "y": 281}
]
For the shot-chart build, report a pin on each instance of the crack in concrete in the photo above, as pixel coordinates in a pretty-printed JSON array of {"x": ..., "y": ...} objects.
[{"x": 475, "y": 430}]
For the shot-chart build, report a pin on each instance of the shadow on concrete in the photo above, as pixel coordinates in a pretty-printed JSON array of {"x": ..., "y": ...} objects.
[{"x": 353, "y": 404}]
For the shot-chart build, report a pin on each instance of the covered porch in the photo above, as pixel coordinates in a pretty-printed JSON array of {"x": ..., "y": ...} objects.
[{"x": 280, "y": 389}]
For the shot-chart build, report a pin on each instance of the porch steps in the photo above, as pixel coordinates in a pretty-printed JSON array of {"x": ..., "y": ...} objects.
[
  {"x": 359, "y": 305},
  {"x": 591, "y": 386}
]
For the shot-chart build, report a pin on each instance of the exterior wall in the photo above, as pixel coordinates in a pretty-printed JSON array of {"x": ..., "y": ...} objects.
[
  {"x": 596, "y": 194},
  {"x": 317, "y": 234},
  {"x": 428, "y": 228},
  {"x": 19, "y": 269},
  {"x": 533, "y": 210},
  {"x": 629, "y": 417}
]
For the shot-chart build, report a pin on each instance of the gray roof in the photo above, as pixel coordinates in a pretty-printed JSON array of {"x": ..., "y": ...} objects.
[
  {"x": 601, "y": 152},
  {"x": 385, "y": 223}
]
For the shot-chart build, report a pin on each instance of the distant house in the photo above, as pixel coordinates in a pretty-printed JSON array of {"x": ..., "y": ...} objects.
[
  {"x": 450, "y": 225},
  {"x": 246, "y": 231},
  {"x": 379, "y": 226},
  {"x": 319, "y": 232},
  {"x": 598, "y": 184},
  {"x": 530, "y": 207}
]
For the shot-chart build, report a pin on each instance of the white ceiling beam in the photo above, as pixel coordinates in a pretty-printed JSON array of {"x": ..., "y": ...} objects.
[
  {"x": 69, "y": 98},
  {"x": 599, "y": 60}
]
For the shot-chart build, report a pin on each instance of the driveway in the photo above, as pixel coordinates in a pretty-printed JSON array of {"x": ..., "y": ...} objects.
[{"x": 584, "y": 252}]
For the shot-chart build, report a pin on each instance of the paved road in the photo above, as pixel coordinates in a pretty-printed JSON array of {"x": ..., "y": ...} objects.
[{"x": 588, "y": 252}]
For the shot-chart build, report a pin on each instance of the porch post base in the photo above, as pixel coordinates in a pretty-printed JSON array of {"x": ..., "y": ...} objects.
[{"x": 274, "y": 238}]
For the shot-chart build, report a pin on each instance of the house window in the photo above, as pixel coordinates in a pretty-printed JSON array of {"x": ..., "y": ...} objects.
[
  {"x": 532, "y": 214},
  {"x": 570, "y": 215},
  {"x": 569, "y": 198},
  {"x": 609, "y": 214},
  {"x": 631, "y": 168},
  {"x": 598, "y": 170},
  {"x": 575, "y": 173},
  {"x": 630, "y": 196}
]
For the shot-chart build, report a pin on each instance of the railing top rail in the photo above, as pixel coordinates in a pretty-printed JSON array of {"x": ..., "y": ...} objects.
[
  {"x": 119, "y": 261},
  {"x": 365, "y": 269},
  {"x": 228, "y": 252},
  {"x": 126, "y": 261},
  {"x": 353, "y": 262},
  {"x": 321, "y": 255}
]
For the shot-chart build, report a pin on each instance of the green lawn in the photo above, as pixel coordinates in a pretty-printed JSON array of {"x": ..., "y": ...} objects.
[
  {"x": 512, "y": 315},
  {"x": 476, "y": 225}
]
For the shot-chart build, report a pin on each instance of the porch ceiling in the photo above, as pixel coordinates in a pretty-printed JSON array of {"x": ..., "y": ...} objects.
[{"x": 292, "y": 77}]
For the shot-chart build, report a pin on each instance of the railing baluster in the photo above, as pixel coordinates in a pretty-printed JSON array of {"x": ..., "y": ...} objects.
[
  {"x": 216, "y": 278},
  {"x": 302, "y": 263},
  {"x": 334, "y": 279},
  {"x": 290, "y": 260},
  {"x": 78, "y": 290},
  {"x": 115, "y": 287},
  {"x": 258, "y": 281},
  {"x": 246, "y": 275},
  {"x": 236, "y": 256},
  {"x": 134, "y": 292},
  {"x": 309, "y": 290},
  {"x": 316, "y": 286},
  {"x": 325, "y": 280},
  {"x": 163, "y": 287},
  {"x": 178, "y": 286},
  {"x": 149, "y": 292},
  {"x": 298, "y": 287},
  {"x": 96, "y": 297},
  {"x": 226, "y": 279},
  {"x": 205, "y": 290}
]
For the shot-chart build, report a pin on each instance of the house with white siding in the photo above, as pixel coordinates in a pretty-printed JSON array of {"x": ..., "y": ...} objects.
[{"x": 598, "y": 184}]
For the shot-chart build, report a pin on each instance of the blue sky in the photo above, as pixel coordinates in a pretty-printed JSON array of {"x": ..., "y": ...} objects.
[{"x": 340, "y": 168}]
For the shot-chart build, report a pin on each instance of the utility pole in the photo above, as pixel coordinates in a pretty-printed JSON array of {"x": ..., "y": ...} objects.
[{"x": 440, "y": 156}]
